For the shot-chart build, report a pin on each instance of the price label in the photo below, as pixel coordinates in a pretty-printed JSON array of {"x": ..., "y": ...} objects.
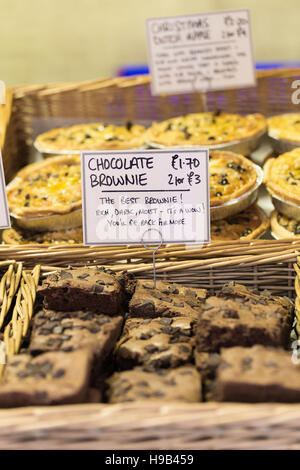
[
  {"x": 204, "y": 52},
  {"x": 124, "y": 194},
  {"x": 4, "y": 212}
]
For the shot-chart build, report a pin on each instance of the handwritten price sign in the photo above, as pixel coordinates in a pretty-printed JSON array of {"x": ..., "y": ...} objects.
[
  {"x": 204, "y": 52},
  {"x": 126, "y": 193}
]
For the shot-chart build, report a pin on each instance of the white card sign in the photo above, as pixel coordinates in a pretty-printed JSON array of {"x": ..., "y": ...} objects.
[
  {"x": 133, "y": 197},
  {"x": 202, "y": 52},
  {"x": 4, "y": 212}
]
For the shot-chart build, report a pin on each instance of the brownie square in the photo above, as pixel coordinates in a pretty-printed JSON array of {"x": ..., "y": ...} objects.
[
  {"x": 233, "y": 290},
  {"x": 163, "y": 385},
  {"x": 68, "y": 331},
  {"x": 81, "y": 288},
  {"x": 50, "y": 379},
  {"x": 258, "y": 374},
  {"x": 159, "y": 342},
  {"x": 240, "y": 321},
  {"x": 206, "y": 364},
  {"x": 167, "y": 300}
]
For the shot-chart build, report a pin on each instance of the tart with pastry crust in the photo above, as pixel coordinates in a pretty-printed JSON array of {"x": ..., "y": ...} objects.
[
  {"x": 285, "y": 127},
  {"x": 230, "y": 176},
  {"x": 284, "y": 227},
  {"x": 282, "y": 176},
  {"x": 91, "y": 136},
  {"x": 50, "y": 187},
  {"x": 246, "y": 225},
  {"x": 17, "y": 236},
  {"x": 206, "y": 129}
]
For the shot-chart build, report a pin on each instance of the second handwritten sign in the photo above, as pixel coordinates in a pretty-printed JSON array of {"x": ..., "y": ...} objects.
[{"x": 204, "y": 52}]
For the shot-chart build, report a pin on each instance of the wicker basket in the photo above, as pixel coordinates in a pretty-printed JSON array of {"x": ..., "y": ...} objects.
[
  {"x": 37, "y": 108},
  {"x": 259, "y": 264},
  {"x": 166, "y": 426}
]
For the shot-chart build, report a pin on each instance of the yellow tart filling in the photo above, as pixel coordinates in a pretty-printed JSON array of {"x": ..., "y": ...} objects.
[
  {"x": 230, "y": 176},
  {"x": 206, "y": 128},
  {"x": 95, "y": 136},
  {"x": 246, "y": 225},
  {"x": 285, "y": 126},
  {"x": 45, "y": 188}
]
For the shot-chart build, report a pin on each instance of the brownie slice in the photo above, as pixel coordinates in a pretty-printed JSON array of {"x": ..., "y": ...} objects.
[
  {"x": 233, "y": 290},
  {"x": 159, "y": 342},
  {"x": 181, "y": 384},
  {"x": 239, "y": 321},
  {"x": 167, "y": 300},
  {"x": 258, "y": 374},
  {"x": 80, "y": 288},
  {"x": 207, "y": 364},
  {"x": 68, "y": 331},
  {"x": 51, "y": 378}
]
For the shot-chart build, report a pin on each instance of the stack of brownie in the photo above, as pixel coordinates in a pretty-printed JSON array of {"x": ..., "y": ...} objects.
[
  {"x": 240, "y": 353},
  {"x": 155, "y": 352},
  {"x": 70, "y": 343},
  {"x": 174, "y": 344}
]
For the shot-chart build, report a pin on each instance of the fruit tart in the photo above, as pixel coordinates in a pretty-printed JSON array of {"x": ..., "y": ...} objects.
[
  {"x": 207, "y": 129},
  {"x": 246, "y": 225},
  {"x": 92, "y": 136},
  {"x": 282, "y": 176},
  {"x": 230, "y": 176},
  {"x": 46, "y": 188},
  {"x": 283, "y": 226}
]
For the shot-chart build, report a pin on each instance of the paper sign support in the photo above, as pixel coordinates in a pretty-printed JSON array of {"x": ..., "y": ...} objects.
[{"x": 153, "y": 249}]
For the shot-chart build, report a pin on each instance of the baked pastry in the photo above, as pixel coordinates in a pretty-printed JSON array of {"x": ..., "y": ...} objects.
[
  {"x": 247, "y": 225},
  {"x": 69, "y": 290},
  {"x": 258, "y": 374},
  {"x": 206, "y": 129},
  {"x": 140, "y": 384},
  {"x": 159, "y": 342},
  {"x": 238, "y": 317},
  {"x": 230, "y": 176},
  {"x": 283, "y": 227},
  {"x": 167, "y": 300},
  {"x": 18, "y": 236},
  {"x": 285, "y": 127},
  {"x": 49, "y": 379},
  {"x": 91, "y": 136},
  {"x": 46, "y": 188},
  {"x": 282, "y": 176}
]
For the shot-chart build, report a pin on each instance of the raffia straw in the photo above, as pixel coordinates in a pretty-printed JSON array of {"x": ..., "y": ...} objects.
[
  {"x": 8, "y": 287},
  {"x": 17, "y": 328}
]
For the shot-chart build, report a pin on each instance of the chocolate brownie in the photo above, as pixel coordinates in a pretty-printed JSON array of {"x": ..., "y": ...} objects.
[
  {"x": 239, "y": 321},
  {"x": 68, "y": 331},
  {"x": 167, "y": 300},
  {"x": 181, "y": 384},
  {"x": 160, "y": 342},
  {"x": 207, "y": 364},
  {"x": 258, "y": 374},
  {"x": 233, "y": 290},
  {"x": 51, "y": 378},
  {"x": 79, "y": 288}
]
